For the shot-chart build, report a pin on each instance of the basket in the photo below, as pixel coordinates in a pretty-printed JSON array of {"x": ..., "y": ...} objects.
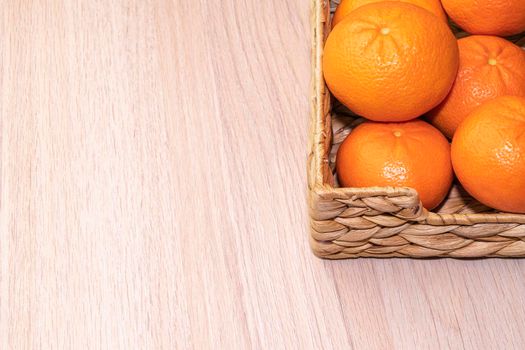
[{"x": 386, "y": 221}]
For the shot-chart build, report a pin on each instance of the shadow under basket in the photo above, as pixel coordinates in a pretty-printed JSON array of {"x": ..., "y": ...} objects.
[{"x": 388, "y": 221}]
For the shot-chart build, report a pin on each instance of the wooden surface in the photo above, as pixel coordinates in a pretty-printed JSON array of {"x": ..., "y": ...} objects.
[{"x": 153, "y": 194}]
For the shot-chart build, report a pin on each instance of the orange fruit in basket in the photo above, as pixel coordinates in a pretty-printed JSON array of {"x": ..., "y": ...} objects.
[
  {"x": 492, "y": 17},
  {"x": 347, "y": 6},
  {"x": 488, "y": 153},
  {"x": 488, "y": 67},
  {"x": 410, "y": 154},
  {"x": 390, "y": 61}
]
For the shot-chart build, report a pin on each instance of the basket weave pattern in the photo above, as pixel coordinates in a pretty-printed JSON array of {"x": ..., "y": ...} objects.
[{"x": 387, "y": 221}]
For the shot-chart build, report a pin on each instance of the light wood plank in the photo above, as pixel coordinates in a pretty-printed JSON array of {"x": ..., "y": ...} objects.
[{"x": 153, "y": 194}]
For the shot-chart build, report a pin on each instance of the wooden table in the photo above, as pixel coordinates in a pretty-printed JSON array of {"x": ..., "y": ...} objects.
[{"x": 153, "y": 194}]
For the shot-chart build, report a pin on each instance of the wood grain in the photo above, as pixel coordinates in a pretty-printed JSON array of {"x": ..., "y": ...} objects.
[{"x": 153, "y": 194}]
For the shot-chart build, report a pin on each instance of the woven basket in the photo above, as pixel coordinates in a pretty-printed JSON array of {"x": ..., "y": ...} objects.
[{"x": 387, "y": 221}]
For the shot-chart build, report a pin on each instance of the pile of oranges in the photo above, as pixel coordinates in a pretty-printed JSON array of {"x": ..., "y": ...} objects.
[{"x": 398, "y": 64}]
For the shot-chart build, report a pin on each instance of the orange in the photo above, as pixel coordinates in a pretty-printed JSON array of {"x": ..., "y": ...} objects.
[
  {"x": 410, "y": 154},
  {"x": 390, "y": 61},
  {"x": 488, "y": 67},
  {"x": 492, "y": 17},
  {"x": 347, "y": 6},
  {"x": 488, "y": 153}
]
